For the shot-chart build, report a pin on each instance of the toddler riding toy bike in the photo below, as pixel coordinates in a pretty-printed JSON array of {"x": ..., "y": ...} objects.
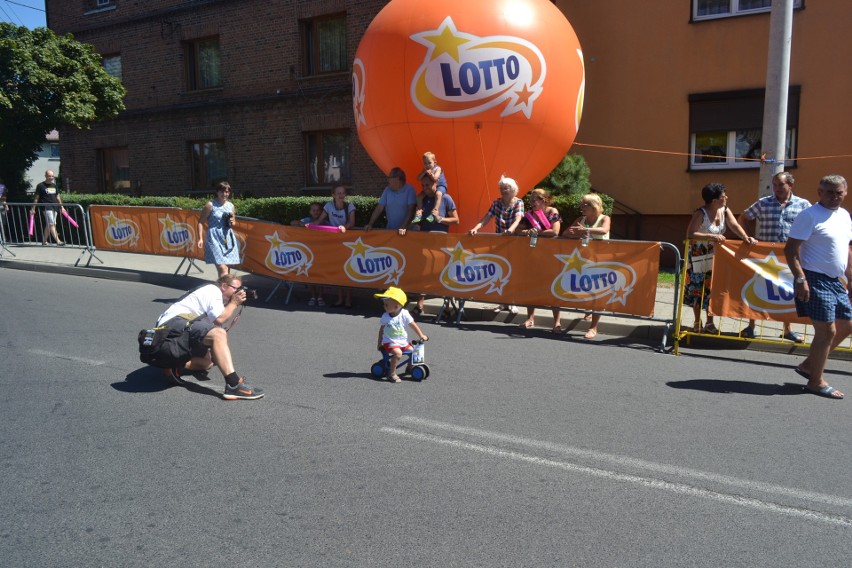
[{"x": 416, "y": 357}]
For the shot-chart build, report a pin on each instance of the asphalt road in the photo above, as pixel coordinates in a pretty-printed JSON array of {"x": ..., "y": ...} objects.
[{"x": 517, "y": 451}]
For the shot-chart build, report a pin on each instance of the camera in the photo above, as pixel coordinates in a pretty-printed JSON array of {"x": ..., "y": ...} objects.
[
  {"x": 251, "y": 293},
  {"x": 227, "y": 219}
]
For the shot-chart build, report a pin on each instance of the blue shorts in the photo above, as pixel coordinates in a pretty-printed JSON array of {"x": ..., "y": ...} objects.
[{"x": 829, "y": 299}]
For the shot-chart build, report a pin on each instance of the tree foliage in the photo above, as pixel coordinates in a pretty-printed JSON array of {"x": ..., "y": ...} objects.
[
  {"x": 47, "y": 82},
  {"x": 570, "y": 176}
]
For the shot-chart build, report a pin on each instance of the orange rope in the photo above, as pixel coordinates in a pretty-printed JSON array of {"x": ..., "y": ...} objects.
[{"x": 761, "y": 159}]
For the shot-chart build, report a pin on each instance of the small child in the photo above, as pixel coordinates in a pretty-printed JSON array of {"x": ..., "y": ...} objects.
[
  {"x": 393, "y": 337},
  {"x": 312, "y": 218},
  {"x": 436, "y": 174}
]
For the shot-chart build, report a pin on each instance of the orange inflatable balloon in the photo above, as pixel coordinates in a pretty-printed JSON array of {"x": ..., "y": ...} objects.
[{"x": 491, "y": 87}]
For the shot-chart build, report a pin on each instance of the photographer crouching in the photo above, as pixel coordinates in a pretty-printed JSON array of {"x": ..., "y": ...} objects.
[{"x": 202, "y": 315}]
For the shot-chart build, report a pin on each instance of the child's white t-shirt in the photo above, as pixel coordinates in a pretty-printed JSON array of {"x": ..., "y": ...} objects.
[{"x": 395, "y": 330}]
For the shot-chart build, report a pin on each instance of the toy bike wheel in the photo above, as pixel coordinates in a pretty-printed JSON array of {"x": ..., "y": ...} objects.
[
  {"x": 419, "y": 372},
  {"x": 378, "y": 370},
  {"x": 428, "y": 371}
]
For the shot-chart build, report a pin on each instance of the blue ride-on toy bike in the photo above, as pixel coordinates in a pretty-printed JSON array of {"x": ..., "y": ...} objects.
[{"x": 415, "y": 356}]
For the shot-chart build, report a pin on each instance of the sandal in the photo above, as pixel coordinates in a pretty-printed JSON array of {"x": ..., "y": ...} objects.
[
  {"x": 320, "y": 302},
  {"x": 417, "y": 311},
  {"x": 557, "y": 328},
  {"x": 710, "y": 328},
  {"x": 591, "y": 334},
  {"x": 394, "y": 378},
  {"x": 312, "y": 302},
  {"x": 527, "y": 324}
]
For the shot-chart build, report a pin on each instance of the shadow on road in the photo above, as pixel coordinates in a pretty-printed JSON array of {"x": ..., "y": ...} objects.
[
  {"x": 737, "y": 387},
  {"x": 150, "y": 380}
]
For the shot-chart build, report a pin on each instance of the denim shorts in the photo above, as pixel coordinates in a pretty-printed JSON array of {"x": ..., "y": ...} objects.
[{"x": 829, "y": 299}]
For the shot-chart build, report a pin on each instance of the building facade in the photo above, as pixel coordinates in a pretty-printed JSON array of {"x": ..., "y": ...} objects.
[
  {"x": 674, "y": 100},
  {"x": 252, "y": 91},
  {"x": 260, "y": 93}
]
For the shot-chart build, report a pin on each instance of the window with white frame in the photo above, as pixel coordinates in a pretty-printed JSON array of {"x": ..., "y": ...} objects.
[
  {"x": 709, "y": 9},
  {"x": 725, "y": 129}
]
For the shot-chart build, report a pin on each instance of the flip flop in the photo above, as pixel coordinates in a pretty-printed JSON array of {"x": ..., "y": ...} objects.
[
  {"x": 827, "y": 391},
  {"x": 801, "y": 373},
  {"x": 556, "y": 328},
  {"x": 527, "y": 324}
]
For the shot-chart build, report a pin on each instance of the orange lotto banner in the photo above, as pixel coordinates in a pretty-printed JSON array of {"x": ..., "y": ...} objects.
[
  {"x": 619, "y": 277},
  {"x": 752, "y": 282}
]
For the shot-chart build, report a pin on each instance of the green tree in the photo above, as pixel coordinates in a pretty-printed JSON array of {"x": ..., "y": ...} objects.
[
  {"x": 570, "y": 176},
  {"x": 47, "y": 82}
]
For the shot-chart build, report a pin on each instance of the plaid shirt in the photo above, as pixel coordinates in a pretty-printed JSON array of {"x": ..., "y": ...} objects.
[
  {"x": 773, "y": 221},
  {"x": 505, "y": 216}
]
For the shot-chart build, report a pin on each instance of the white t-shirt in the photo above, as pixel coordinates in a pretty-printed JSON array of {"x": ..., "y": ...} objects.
[
  {"x": 395, "y": 331},
  {"x": 338, "y": 217},
  {"x": 826, "y": 234},
  {"x": 207, "y": 300}
]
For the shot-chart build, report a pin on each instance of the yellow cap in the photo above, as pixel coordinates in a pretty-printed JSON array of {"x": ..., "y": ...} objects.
[{"x": 394, "y": 294}]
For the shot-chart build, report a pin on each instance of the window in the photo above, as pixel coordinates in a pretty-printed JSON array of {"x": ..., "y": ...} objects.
[
  {"x": 324, "y": 45},
  {"x": 708, "y": 9},
  {"x": 54, "y": 151},
  {"x": 208, "y": 164},
  {"x": 115, "y": 169},
  {"x": 726, "y": 129},
  {"x": 112, "y": 64},
  {"x": 203, "y": 64},
  {"x": 327, "y": 157}
]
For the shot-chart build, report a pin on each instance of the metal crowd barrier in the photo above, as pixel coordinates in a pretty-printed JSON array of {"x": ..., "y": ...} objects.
[
  {"x": 769, "y": 332},
  {"x": 20, "y": 228}
]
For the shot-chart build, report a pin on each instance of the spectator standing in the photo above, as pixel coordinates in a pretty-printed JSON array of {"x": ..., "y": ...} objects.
[
  {"x": 220, "y": 245},
  {"x": 47, "y": 192},
  {"x": 507, "y": 212},
  {"x": 542, "y": 220},
  {"x": 338, "y": 213},
  {"x": 817, "y": 252},
  {"x": 397, "y": 202},
  {"x": 708, "y": 223},
  {"x": 447, "y": 215},
  {"x": 773, "y": 216},
  {"x": 433, "y": 171}
]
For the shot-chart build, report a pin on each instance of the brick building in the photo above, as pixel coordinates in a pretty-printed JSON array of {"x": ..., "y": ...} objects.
[{"x": 256, "y": 92}]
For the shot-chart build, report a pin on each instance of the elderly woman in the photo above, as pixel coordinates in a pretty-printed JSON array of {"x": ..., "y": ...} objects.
[
  {"x": 545, "y": 221},
  {"x": 507, "y": 212},
  {"x": 708, "y": 227},
  {"x": 220, "y": 246}
]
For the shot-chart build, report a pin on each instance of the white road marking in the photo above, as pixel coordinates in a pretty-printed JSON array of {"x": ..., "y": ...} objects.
[
  {"x": 92, "y": 362},
  {"x": 679, "y": 488},
  {"x": 624, "y": 461}
]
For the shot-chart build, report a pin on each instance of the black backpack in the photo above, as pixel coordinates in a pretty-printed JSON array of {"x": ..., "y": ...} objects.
[{"x": 165, "y": 347}]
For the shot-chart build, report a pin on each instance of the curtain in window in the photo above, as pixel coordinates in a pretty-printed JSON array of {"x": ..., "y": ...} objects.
[
  {"x": 754, "y": 4},
  {"x": 332, "y": 44},
  {"x": 711, "y": 7},
  {"x": 209, "y": 64}
]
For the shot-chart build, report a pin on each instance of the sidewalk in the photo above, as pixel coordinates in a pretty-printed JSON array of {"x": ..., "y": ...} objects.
[{"x": 163, "y": 270}]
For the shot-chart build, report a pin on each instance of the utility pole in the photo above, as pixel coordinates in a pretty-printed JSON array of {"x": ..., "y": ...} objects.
[{"x": 774, "y": 134}]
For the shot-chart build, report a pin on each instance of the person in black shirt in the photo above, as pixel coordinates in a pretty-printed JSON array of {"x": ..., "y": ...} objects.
[{"x": 46, "y": 192}]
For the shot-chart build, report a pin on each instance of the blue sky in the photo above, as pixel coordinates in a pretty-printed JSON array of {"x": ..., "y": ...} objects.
[{"x": 29, "y": 13}]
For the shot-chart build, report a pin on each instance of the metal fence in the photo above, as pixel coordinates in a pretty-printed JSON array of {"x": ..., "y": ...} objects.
[
  {"x": 29, "y": 224},
  {"x": 768, "y": 332}
]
